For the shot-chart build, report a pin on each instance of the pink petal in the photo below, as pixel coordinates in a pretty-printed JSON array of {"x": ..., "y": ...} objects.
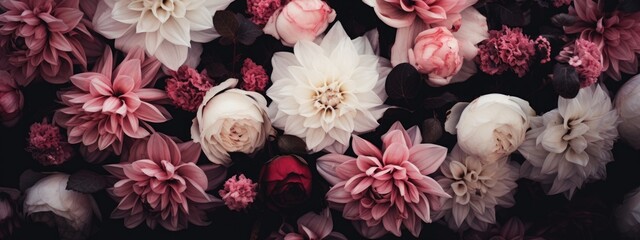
[
  {"x": 327, "y": 166},
  {"x": 158, "y": 149},
  {"x": 363, "y": 147},
  {"x": 395, "y": 154},
  {"x": 427, "y": 157}
]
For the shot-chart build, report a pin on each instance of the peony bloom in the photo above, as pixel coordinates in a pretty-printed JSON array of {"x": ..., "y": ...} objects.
[
  {"x": 477, "y": 189},
  {"x": 50, "y": 195},
  {"x": 572, "y": 144},
  {"x": 231, "y": 120},
  {"x": 617, "y": 35},
  {"x": 507, "y": 49},
  {"x": 187, "y": 87},
  {"x": 383, "y": 190},
  {"x": 491, "y": 126},
  {"x": 11, "y": 100},
  {"x": 254, "y": 77},
  {"x": 627, "y": 104},
  {"x": 167, "y": 29},
  {"x": 262, "y": 10},
  {"x": 628, "y": 215},
  {"x": 43, "y": 38},
  {"x": 285, "y": 182},
  {"x": 436, "y": 53},
  {"x": 300, "y": 20},
  {"x": 324, "y": 92},
  {"x": 586, "y": 58},
  {"x": 107, "y": 105},
  {"x": 238, "y": 192},
  {"x": 46, "y": 144},
  {"x": 160, "y": 183},
  {"x": 403, "y": 13},
  {"x": 310, "y": 226}
]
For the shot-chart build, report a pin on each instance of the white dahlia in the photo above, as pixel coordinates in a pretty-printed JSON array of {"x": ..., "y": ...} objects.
[
  {"x": 324, "y": 92},
  {"x": 572, "y": 144},
  {"x": 477, "y": 188},
  {"x": 170, "y": 30}
]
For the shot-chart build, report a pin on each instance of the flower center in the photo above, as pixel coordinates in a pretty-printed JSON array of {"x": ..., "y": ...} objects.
[{"x": 328, "y": 98}]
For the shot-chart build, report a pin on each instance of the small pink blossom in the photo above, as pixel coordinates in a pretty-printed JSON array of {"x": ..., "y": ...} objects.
[
  {"x": 436, "y": 53},
  {"x": 262, "y": 10},
  {"x": 254, "y": 76},
  {"x": 508, "y": 48},
  {"x": 543, "y": 48},
  {"x": 586, "y": 58},
  {"x": 46, "y": 144},
  {"x": 11, "y": 100},
  {"x": 239, "y": 192},
  {"x": 187, "y": 87}
]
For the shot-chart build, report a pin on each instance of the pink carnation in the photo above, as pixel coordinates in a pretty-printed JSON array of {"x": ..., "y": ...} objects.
[
  {"x": 586, "y": 58},
  {"x": 261, "y": 10},
  {"x": 254, "y": 76},
  {"x": 508, "y": 48},
  {"x": 46, "y": 144},
  {"x": 543, "y": 48},
  {"x": 187, "y": 87},
  {"x": 238, "y": 192},
  {"x": 11, "y": 100}
]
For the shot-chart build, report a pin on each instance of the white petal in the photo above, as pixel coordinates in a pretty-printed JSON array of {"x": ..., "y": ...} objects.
[
  {"x": 171, "y": 55},
  {"x": 176, "y": 31}
]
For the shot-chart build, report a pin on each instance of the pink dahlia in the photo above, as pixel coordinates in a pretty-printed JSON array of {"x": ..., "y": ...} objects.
[
  {"x": 382, "y": 190},
  {"x": 107, "y": 105},
  {"x": 238, "y": 192},
  {"x": 617, "y": 34},
  {"x": 262, "y": 10},
  {"x": 311, "y": 226},
  {"x": 402, "y": 13},
  {"x": 506, "y": 49},
  {"x": 254, "y": 77},
  {"x": 43, "y": 38},
  {"x": 11, "y": 100},
  {"x": 586, "y": 58},
  {"x": 187, "y": 87},
  {"x": 162, "y": 184},
  {"x": 46, "y": 144}
]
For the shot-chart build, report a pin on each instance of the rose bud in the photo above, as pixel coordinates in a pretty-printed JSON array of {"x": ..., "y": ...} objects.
[
  {"x": 436, "y": 53},
  {"x": 9, "y": 217},
  {"x": 11, "y": 100},
  {"x": 231, "y": 120},
  {"x": 285, "y": 182},
  {"x": 300, "y": 20}
]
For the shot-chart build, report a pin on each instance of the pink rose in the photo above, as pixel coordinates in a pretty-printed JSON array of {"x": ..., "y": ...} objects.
[
  {"x": 300, "y": 20},
  {"x": 436, "y": 52},
  {"x": 11, "y": 100}
]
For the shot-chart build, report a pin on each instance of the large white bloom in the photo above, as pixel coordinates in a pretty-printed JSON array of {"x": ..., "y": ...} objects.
[
  {"x": 170, "y": 30},
  {"x": 477, "y": 189},
  {"x": 324, "y": 92},
  {"x": 572, "y": 144},
  {"x": 628, "y": 215}
]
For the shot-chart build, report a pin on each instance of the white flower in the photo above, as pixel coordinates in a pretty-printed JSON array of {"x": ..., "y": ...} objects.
[
  {"x": 491, "y": 126},
  {"x": 166, "y": 28},
  {"x": 628, "y": 215},
  {"x": 231, "y": 120},
  {"x": 477, "y": 189},
  {"x": 572, "y": 144},
  {"x": 50, "y": 195},
  {"x": 627, "y": 103},
  {"x": 327, "y": 91}
]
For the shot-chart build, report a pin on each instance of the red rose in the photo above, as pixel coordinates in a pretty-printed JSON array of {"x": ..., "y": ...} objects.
[{"x": 285, "y": 182}]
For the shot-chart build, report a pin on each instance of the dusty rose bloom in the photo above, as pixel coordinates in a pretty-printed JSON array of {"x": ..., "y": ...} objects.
[
  {"x": 506, "y": 49},
  {"x": 436, "y": 53},
  {"x": 586, "y": 58},
  {"x": 187, "y": 87},
  {"x": 11, "y": 100},
  {"x": 300, "y": 20},
  {"x": 239, "y": 192},
  {"x": 46, "y": 144},
  {"x": 254, "y": 77},
  {"x": 402, "y": 13}
]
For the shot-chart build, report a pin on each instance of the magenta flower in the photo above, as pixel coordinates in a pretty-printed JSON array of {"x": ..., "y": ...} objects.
[
  {"x": 254, "y": 77},
  {"x": 586, "y": 58},
  {"x": 46, "y": 144},
  {"x": 402, "y": 13},
  {"x": 187, "y": 87},
  {"x": 11, "y": 100},
  {"x": 238, "y": 192},
  {"x": 311, "y": 226},
  {"x": 380, "y": 191},
  {"x": 107, "y": 105},
  {"x": 161, "y": 184},
  {"x": 43, "y": 38},
  {"x": 617, "y": 34}
]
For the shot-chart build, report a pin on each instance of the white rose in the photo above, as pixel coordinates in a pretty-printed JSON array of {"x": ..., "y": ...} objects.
[
  {"x": 231, "y": 120},
  {"x": 491, "y": 126},
  {"x": 50, "y": 195}
]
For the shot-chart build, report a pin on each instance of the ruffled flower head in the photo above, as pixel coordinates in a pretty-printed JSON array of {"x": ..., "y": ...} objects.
[
  {"x": 586, "y": 58},
  {"x": 46, "y": 144},
  {"x": 262, "y": 10},
  {"x": 186, "y": 88},
  {"x": 254, "y": 77},
  {"x": 402, "y": 13},
  {"x": 617, "y": 34},
  {"x": 310, "y": 226},
  {"x": 572, "y": 144},
  {"x": 43, "y": 38},
  {"x": 161, "y": 184},
  {"x": 239, "y": 192},
  {"x": 107, "y": 105},
  {"x": 506, "y": 49},
  {"x": 477, "y": 189},
  {"x": 324, "y": 92},
  {"x": 383, "y": 190}
]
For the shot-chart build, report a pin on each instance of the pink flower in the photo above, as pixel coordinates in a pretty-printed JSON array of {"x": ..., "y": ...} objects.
[
  {"x": 380, "y": 191},
  {"x": 402, "y": 13},
  {"x": 238, "y": 192},
  {"x": 311, "y": 226},
  {"x": 262, "y": 10},
  {"x": 43, "y": 38},
  {"x": 160, "y": 183},
  {"x": 543, "y": 48},
  {"x": 436, "y": 53},
  {"x": 617, "y": 34},
  {"x": 505, "y": 49},
  {"x": 11, "y": 100},
  {"x": 300, "y": 20},
  {"x": 560, "y": 3},
  {"x": 107, "y": 105},
  {"x": 187, "y": 87},
  {"x": 46, "y": 144},
  {"x": 586, "y": 58},
  {"x": 254, "y": 77}
]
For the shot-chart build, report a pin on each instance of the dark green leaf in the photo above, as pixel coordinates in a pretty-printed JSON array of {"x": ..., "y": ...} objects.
[
  {"x": 439, "y": 101},
  {"x": 247, "y": 30},
  {"x": 226, "y": 24},
  {"x": 289, "y": 144},
  {"x": 28, "y": 178},
  {"x": 566, "y": 81},
  {"x": 86, "y": 182},
  {"x": 403, "y": 82},
  {"x": 431, "y": 130}
]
